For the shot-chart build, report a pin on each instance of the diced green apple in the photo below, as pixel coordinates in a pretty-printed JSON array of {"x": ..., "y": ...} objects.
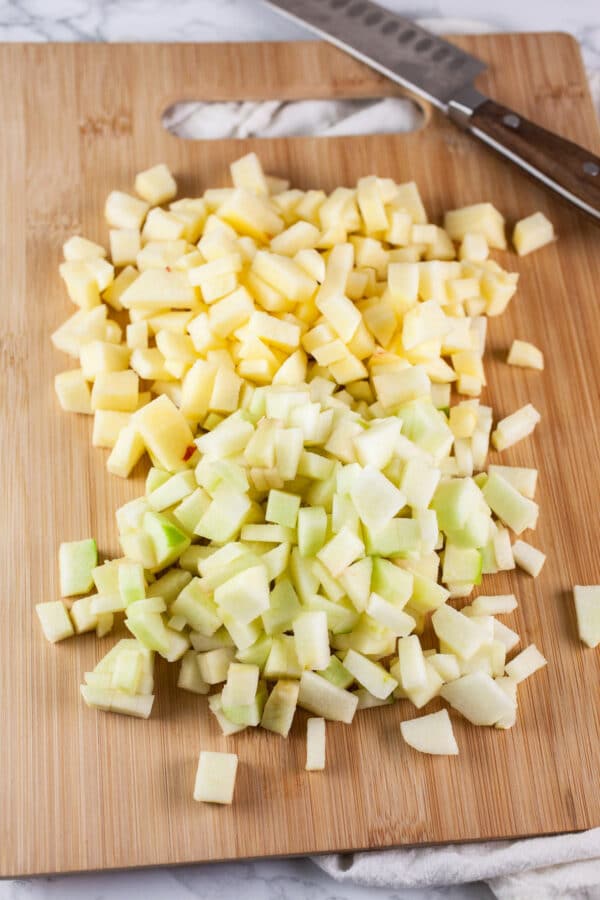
[{"x": 76, "y": 561}]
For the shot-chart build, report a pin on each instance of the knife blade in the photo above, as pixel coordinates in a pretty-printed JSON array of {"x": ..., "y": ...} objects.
[{"x": 443, "y": 74}]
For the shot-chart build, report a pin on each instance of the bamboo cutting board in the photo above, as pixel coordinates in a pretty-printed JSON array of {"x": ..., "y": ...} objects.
[{"x": 86, "y": 790}]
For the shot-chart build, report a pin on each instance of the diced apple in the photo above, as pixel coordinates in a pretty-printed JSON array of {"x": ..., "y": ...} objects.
[
  {"x": 315, "y": 744},
  {"x": 215, "y": 778},
  {"x": 587, "y": 608},
  {"x": 431, "y": 734}
]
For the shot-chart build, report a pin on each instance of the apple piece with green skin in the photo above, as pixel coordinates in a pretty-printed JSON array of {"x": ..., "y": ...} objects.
[
  {"x": 337, "y": 673},
  {"x": 168, "y": 541},
  {"x": 76, "y": 560},
  {"x": 150, "y": 630},
  {"x": 247, "y": 714},
  {"x": 393, "y": 583},
  {"x": 370, "y": 675},
  {"x": 279, "y": 710},
  {"x": 258, "y": 653}
]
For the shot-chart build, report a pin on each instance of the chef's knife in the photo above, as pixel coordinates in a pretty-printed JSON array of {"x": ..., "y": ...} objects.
[{"x": 444, "y": 74}]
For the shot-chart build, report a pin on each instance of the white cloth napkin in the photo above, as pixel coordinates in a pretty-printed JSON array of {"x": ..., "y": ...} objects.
[{"x": 552, "y": 868}]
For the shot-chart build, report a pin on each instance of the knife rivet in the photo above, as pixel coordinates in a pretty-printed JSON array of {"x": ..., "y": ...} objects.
[
  {"x": 591, "y": 168},
  {"x": 511, "y": 120}
]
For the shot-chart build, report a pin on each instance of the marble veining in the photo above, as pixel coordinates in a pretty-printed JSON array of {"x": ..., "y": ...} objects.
[{"x": 248, "y": 20}]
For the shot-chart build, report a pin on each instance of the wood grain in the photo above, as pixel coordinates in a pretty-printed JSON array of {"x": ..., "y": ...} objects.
[
  {"x": 86, "y": 790},
  {"x": 574, "y": 169}
]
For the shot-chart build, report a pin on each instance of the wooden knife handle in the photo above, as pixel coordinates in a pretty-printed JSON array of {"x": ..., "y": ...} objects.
[{"x": 567, "y": 168}]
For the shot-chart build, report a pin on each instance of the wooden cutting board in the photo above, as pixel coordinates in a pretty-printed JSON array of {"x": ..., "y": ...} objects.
[{"x": 86, "y": 790}]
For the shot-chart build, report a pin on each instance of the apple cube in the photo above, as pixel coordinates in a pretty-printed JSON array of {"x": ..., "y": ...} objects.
[
  {"x": 319, "y": 696},
  {"x": 247, "y": 172},
  {"x": 241, "y": 685},
  {"x": 463, "y": 636},
  {"x": 127, "y": 672},
  {"x": 73, "y": 391},
  {"x": 341, "y": 551},
  {"x": 315, "y": 744},
  {"x": 283, "y": 608},
  {"x": 215, "y": 778},
  {"x": 159, "y": 289},
  {"x": 431, "y": 734},
  {"x": 214, "y": 664},
  {"x": 55, "y": 621},
  {"x": 480, "y": 218},
  {"x": 125, "y": 244},
  {"x": 528, "y": 558},
  {"x": 250, "y": 214},
  {"x": 376, "y": 499},
  {"x": 116, "y": 391},
  {"x": 126, "y": 453},
  {"x": 312, "y": 640},
  {"x": 124, "y": 211},
  {"x": 413, "y": 674},
  {"x": 390, "y": 616},
  {"x": 356, "y": 581},
  {"x": 526, "y": 355},
  {"x": 156, "y": 185},
  {"x": 525, "y": 664},
  {"x": 515, "y": 510},
  {"x": 587, "y": 608},
  {"x": 515, "y": 427},
  {"x": 190, "y": 678},
  {"x": 81, "y": 248},
  {"x": 82, "y": 616},
  {"x": 370, "y": 675},
  {"x": 336, "y": 673},
  {"x": 168, "y": 541},
  {"x": 282, "y": 508},
  {"x": 278, "y": 713},
  {"x": 76, "y": 561},
  {"x": 531, "y": 233},
  {"x": 494, "y": 605},
  {"x": 165, "y": 433},
  {"x": 138, "y": 705},
  {"x": 246, "y": 595},
  {"x": 478, "y": 698}
]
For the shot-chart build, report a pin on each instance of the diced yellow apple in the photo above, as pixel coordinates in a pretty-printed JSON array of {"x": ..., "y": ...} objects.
[
  {"x": 125, "y": 244},
  {"x": 73, "y": 391},
  {"x": 156, "y": 185},
  {"x": 531, "y": 233}
]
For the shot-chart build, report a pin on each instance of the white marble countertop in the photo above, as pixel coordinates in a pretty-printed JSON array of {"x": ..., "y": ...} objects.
[{"x": 227, "y": 20}]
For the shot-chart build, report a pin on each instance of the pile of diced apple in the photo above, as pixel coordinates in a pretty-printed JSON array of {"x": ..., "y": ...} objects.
[{"x": 316, "y": 495}]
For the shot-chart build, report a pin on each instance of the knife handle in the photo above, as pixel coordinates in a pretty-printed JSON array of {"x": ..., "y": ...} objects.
[{"x": 567, "y": 168}]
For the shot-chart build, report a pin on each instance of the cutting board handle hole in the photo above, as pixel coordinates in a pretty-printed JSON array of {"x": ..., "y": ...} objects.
[{"x": 199, "y": 120}]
